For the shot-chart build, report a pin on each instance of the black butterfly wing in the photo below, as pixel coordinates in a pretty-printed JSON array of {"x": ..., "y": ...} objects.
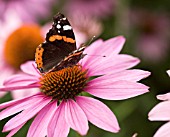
[
  {"x": 60, "y": 42},
  {"x": 70, "y": 60}
]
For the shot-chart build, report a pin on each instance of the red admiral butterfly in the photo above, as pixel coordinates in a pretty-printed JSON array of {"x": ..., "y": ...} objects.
[{"x": 59, "y": 50}]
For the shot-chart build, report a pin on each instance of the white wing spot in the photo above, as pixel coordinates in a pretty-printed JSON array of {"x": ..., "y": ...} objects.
[
  {"x": 64, "y": 18},
  {"x": 58, "y": 26},
  {"x": 58, "y": 31},
  {"x": 67, "y": 27}
]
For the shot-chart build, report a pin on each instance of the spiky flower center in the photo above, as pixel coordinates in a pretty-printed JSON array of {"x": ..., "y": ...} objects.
[
  {"x": 21, "y": 44},
  {"x": 65, "y": 83}
]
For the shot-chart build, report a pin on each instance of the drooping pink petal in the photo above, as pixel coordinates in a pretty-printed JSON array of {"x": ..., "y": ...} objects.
[
  {"x": 98, "y": 113},
  {"x": 7, "y": 71},
  {"x": 164, "y": 96},
  {"x": 25, "y": 115},
  {"x": 16, "y": 94},
  {"x": 20, "y": 79},
  {"x": 58, "y": 126},
  {"x": 160, "y": 112},
  {"x": 16, "y": 87},
  {"x": 15, "y": 130},
  {"x": 75, "y": 117},
  {"x": 38, "y": 127},
  {"x": 116, "y": 90},
  {"x": 163, "y": 131},
  {"x": 20, "y": 106},
  {"x": 29, "y": 68},
  {"x": 18, "y": 101}
]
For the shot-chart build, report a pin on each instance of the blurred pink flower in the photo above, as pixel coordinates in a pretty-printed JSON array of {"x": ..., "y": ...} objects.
[
  {"x": 7, "y": 27},
  {"x": 85, "y": 28},
  {"x": 97, "y": 8},
  {"x": 28, "y": 10},
  {"x": 113, "y": 81},
  {"x": 161, "y": 113},
  {"x": 16, "y": 38},
  {"x": 152, "y": 41}
]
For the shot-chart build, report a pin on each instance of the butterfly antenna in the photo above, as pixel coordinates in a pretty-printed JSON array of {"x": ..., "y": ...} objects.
[{"x": 88, "y": 43}]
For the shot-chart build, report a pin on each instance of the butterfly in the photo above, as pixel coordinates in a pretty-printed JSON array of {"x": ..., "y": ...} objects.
[{"x": 59, "y": 49}]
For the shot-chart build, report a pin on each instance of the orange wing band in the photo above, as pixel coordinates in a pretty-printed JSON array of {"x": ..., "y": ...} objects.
[
  {"x": 58, "y": 37},
  {"x": 38, "y": 56}
]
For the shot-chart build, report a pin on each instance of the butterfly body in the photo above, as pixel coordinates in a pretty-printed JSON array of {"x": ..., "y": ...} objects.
[{"x": 59, "y": 50}]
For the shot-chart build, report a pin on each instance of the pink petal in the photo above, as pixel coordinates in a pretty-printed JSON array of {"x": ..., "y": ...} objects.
[
  {"x": 16, "y": 87},
  {"x": 18, "y": 101},
  {"x": 26, "y": 115},
  {"x": 30, "y": 68},
  {"x": 20, "y": 79},
  {"x": 89, "y": 51},
  {"x": 100, "y": 49},
  {"x": 90, "y": 60},
  {"x": 116, "y": 90},
  {"x": 7, "y": 72},
  {"x": 163, "y": 131},
  {"x": 98, "y": 113},
  {"x": 164, "y": 96},
  {"x": 58, "y": 126},
  {"x": 160, "y": 112},
  {"x": 92, "y": 47},
  {"x": 16, "y": 94},
  {"x": 128, "y": 75},
  {"x": 111, "y": 65},
  {"x": 111, "y": 46},
  {"x": 108, "y": 47},
  {"x": 38, "y": 127},
  {"x": 75, "y": 117},
  {"x": 114, "y": 65},
  {"x": 25, "y": 104},
  {"x": 15, "y": 130}
]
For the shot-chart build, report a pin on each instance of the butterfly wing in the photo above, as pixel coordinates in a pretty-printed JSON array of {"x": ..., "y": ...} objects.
[
  {"x": 70, "y": 60},
  {"x": 60, "y": 42}
]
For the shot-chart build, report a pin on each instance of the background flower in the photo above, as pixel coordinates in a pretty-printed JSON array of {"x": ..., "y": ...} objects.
[
  {"x": 152, "y": 36},
  {"x": 81, "y": 27},
  {"x": 95, "y": 8},
  {"x": 28, "y": 10},
  {"x": 17, "y": 46}
]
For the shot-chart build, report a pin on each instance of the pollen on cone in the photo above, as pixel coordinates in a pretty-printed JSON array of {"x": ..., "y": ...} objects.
[{"x": 64, "y": 84}]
